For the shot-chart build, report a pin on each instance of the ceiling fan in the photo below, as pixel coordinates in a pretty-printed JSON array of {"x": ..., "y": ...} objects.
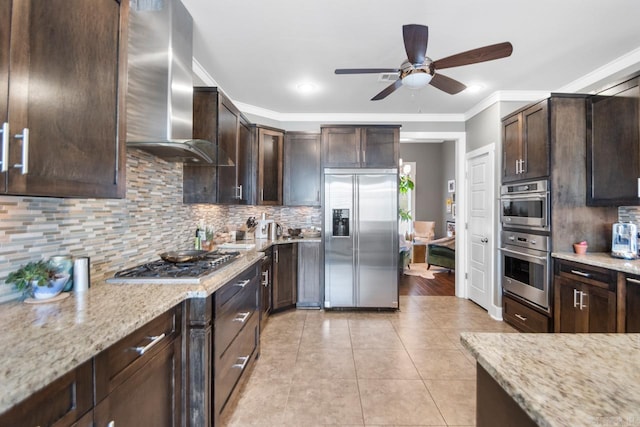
[{"x": 419, "y": 70}]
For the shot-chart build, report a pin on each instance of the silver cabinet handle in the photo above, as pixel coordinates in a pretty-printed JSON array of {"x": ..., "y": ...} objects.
[
  {"x": 580, "y": 273},
  {"x": 5, "y": 147},
  {"x": 24, "y": 136},
  {"x": 243, "y": 362},
  {"x": 262, "y": 194},
  {"x": 154, "y": 340},
  {"x": 524, "y": 319},
  {"x": 243, "y": 283},
  {"x": 522, "y": 166},
  {"x": 265, "y": 278},
  {"x": 575, "y": 298},
  {"x": 582, "y": 295},
  {"x": 240, "y": 192},
  {"x": 636, "y": 281},
  {"x": 517, "y": 172},
  {"x": 242, "y": 317},
  {"x": 275, "y": 254}
]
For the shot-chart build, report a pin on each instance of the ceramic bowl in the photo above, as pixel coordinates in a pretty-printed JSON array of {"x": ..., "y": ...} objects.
[{"x": 54, "y": 288}]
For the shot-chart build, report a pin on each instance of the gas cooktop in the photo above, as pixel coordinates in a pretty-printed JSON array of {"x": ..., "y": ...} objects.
[{"x": 161, "y": 271}]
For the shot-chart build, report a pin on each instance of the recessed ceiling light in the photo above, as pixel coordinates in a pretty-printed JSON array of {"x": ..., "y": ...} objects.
[
  {"x": 475, "y": 88},
  {"x": 306, "y": 88}
]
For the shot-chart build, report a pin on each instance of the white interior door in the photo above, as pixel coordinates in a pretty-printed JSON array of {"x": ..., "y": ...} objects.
[{"x": 480, "y": 237}]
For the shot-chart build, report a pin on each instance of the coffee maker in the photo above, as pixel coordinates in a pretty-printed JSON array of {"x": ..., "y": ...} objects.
[{"x": 624, "y": 240}]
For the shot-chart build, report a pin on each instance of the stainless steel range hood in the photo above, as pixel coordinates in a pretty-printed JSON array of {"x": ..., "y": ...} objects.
[{"x": 160, "y": 84}]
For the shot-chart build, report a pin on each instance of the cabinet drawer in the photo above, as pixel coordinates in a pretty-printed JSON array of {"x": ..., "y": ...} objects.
[
  {"x": 225, "y": 295},
  {"x": 234, "y": 361},
  {"x": 121, "y": 360},
  {"x": 61, "y": 403},
  {"x": 236, "y": 314},
  {"x": 587, "y": 273},
  {"x": 524, "y": 318}
]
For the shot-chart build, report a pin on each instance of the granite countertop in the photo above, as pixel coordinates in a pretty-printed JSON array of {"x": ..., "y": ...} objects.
[
  {"x": 602, "y": 259},
  {"x": 42, "y": 342},
  {"x": 565, "y": 379}
]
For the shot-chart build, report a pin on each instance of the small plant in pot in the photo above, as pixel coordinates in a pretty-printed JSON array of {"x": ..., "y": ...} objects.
[{"x": 38, "y": 279}]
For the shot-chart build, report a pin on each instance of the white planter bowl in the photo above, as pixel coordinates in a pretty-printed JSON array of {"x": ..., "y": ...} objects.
[{"x": 54, "y": 288}]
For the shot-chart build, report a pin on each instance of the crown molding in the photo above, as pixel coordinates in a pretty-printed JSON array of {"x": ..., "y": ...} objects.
[{"x": 202, "y": 73}]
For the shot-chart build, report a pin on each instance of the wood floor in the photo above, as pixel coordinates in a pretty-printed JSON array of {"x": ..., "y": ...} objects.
[{"x": 444, "y": 284}]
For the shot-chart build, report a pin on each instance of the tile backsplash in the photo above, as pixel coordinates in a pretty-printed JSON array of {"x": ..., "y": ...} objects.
[
  {"x": 119, "y": 233},
  {"x": 629, "y": 214}
]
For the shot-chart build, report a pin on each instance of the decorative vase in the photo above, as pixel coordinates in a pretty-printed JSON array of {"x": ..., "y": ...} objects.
[{"x": 54, "y": 287}]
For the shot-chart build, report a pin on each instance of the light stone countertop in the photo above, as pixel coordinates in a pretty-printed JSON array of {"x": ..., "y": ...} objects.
[
  {"x": 42, "y": 342},
  {"x": 602, "y": 259},
  {"x": 565, "y": 379}
]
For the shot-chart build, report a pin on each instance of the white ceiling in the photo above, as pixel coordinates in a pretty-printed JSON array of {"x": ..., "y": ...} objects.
[{"x": 258, "y": 51}]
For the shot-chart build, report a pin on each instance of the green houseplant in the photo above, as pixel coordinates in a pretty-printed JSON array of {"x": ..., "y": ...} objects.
[{"x": 39, "y": 279}]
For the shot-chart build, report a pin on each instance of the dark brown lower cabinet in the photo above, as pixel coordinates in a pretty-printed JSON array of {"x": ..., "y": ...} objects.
[
  {"x": 138, "y": 380},
  {"x": 632, "y": 304},
  {"x": 65, "y": 402},
  {"x": 584, "y": 298},
  {"x": 285, "y": 275}
]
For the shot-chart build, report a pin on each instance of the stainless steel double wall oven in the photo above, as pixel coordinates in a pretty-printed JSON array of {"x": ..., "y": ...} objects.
[{"x": 525, "y": 237}]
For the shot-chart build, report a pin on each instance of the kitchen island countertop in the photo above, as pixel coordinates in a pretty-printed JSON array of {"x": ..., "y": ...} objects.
[
  {"x": 42, "y": 342},
  {"x": 565, "y": 379}
]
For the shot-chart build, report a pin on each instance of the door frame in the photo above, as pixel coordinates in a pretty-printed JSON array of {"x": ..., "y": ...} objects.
[{"x": 495, "y": 307}]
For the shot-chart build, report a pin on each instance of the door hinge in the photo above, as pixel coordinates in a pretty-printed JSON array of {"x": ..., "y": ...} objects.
[
  {"x": 466, "y": 225},
  {"x": 466, "y": 275}
]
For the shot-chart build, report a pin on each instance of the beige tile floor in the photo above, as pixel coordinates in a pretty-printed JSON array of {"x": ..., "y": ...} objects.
[{"x": 406, "y": 368}]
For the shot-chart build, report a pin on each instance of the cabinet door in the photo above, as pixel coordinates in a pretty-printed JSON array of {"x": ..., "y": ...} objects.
[
  {"x": 5, "y": 30},
  {"x": 535, "y": 141},
  {"x": 341, "y": 147},
  {"x": 511, "y": 148},
  {"x": 246, "y": 174},
  {"x": 568, "y": 316},
  {"x": 65, "y": 88},
  {"x": 61, "y": 403},
  {"x": 600, "y": 310},
  {"x": 270, "y": 145},
  {"x": 613, "y": 151},
  {"x": 228, "y": 191},
  {"x": 632, "y": 309},
  {"x": 285, "y": 266},
  {"x": 309, "y": 275},
  {"x": 380, "y": 147},
  {"x": 150, "y": 396},
  {"x": 302, "y": 169}
]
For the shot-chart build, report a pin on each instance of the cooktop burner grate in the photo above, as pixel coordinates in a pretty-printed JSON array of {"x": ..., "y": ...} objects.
[{"x": 211, "y": 262}]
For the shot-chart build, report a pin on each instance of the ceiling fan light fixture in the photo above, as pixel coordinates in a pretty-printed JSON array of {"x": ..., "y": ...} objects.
[{"x": 416, "y": 80}]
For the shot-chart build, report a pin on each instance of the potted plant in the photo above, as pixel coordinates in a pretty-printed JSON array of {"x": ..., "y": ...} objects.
[{"x": 39, "y": 279}]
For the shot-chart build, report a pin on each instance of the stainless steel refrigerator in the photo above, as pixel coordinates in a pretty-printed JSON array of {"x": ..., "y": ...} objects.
[{"x": 361, "y": 238}]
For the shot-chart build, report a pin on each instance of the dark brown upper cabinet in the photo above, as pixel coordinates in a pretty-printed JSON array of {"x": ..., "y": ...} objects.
[
  {"x": 525, "y": 143},
  {"x": 269, "y": 146},
  {"x": 216, "y": 119},
  {"x": 613, "y": 148},
  {"x": 62, "y": 85},
  {"x": 360, "y": 146},
  {"x": 302, "y": 169}
]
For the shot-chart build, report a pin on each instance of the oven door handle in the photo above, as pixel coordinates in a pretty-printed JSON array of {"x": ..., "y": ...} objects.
[
  {"x": 539, "y": 196},
  {"x": 522, "y": 255}
]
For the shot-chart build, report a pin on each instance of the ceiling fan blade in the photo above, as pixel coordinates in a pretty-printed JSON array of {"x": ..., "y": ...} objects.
[
  {"x": 388, "y": 90},
  {"x": 447, "y": 84},
  {"x": 416, "y": 38},
  {"x": 481, "y": 54},
  {"x": 365, "y": 70}
]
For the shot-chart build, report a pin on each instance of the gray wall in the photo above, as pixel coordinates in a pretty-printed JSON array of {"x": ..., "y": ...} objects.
[
  {"x": 429, "y": 183},
  {"x": 448, "y": 162}
]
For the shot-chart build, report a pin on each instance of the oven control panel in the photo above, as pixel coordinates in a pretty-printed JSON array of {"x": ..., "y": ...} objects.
[{"x": 525, "y": 240}]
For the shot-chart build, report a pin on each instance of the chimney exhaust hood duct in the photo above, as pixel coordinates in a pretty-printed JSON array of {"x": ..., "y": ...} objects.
[{"x": 160, "y": 85}]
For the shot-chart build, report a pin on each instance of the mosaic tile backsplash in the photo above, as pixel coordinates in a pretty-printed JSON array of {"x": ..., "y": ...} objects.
[{"x": 119, "y": 233}]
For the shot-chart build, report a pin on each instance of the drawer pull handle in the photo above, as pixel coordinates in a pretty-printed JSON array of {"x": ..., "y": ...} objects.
[
  {"x": 242, "y": 317},
  {"x": 580, "y": 273},
  {"x": 243, "y": 283},
  {"x": 154, "y": 340},
  {"x": 575, "y": 298},
  {"x": 265, "y": 278},
  {"x": 5, "y": 147},
  {"x": 636, "y": 281},
  {"x": 24, "y": 136},
  {"x": 243, "y": 362},
  {"x": 524, "y": 319}
]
